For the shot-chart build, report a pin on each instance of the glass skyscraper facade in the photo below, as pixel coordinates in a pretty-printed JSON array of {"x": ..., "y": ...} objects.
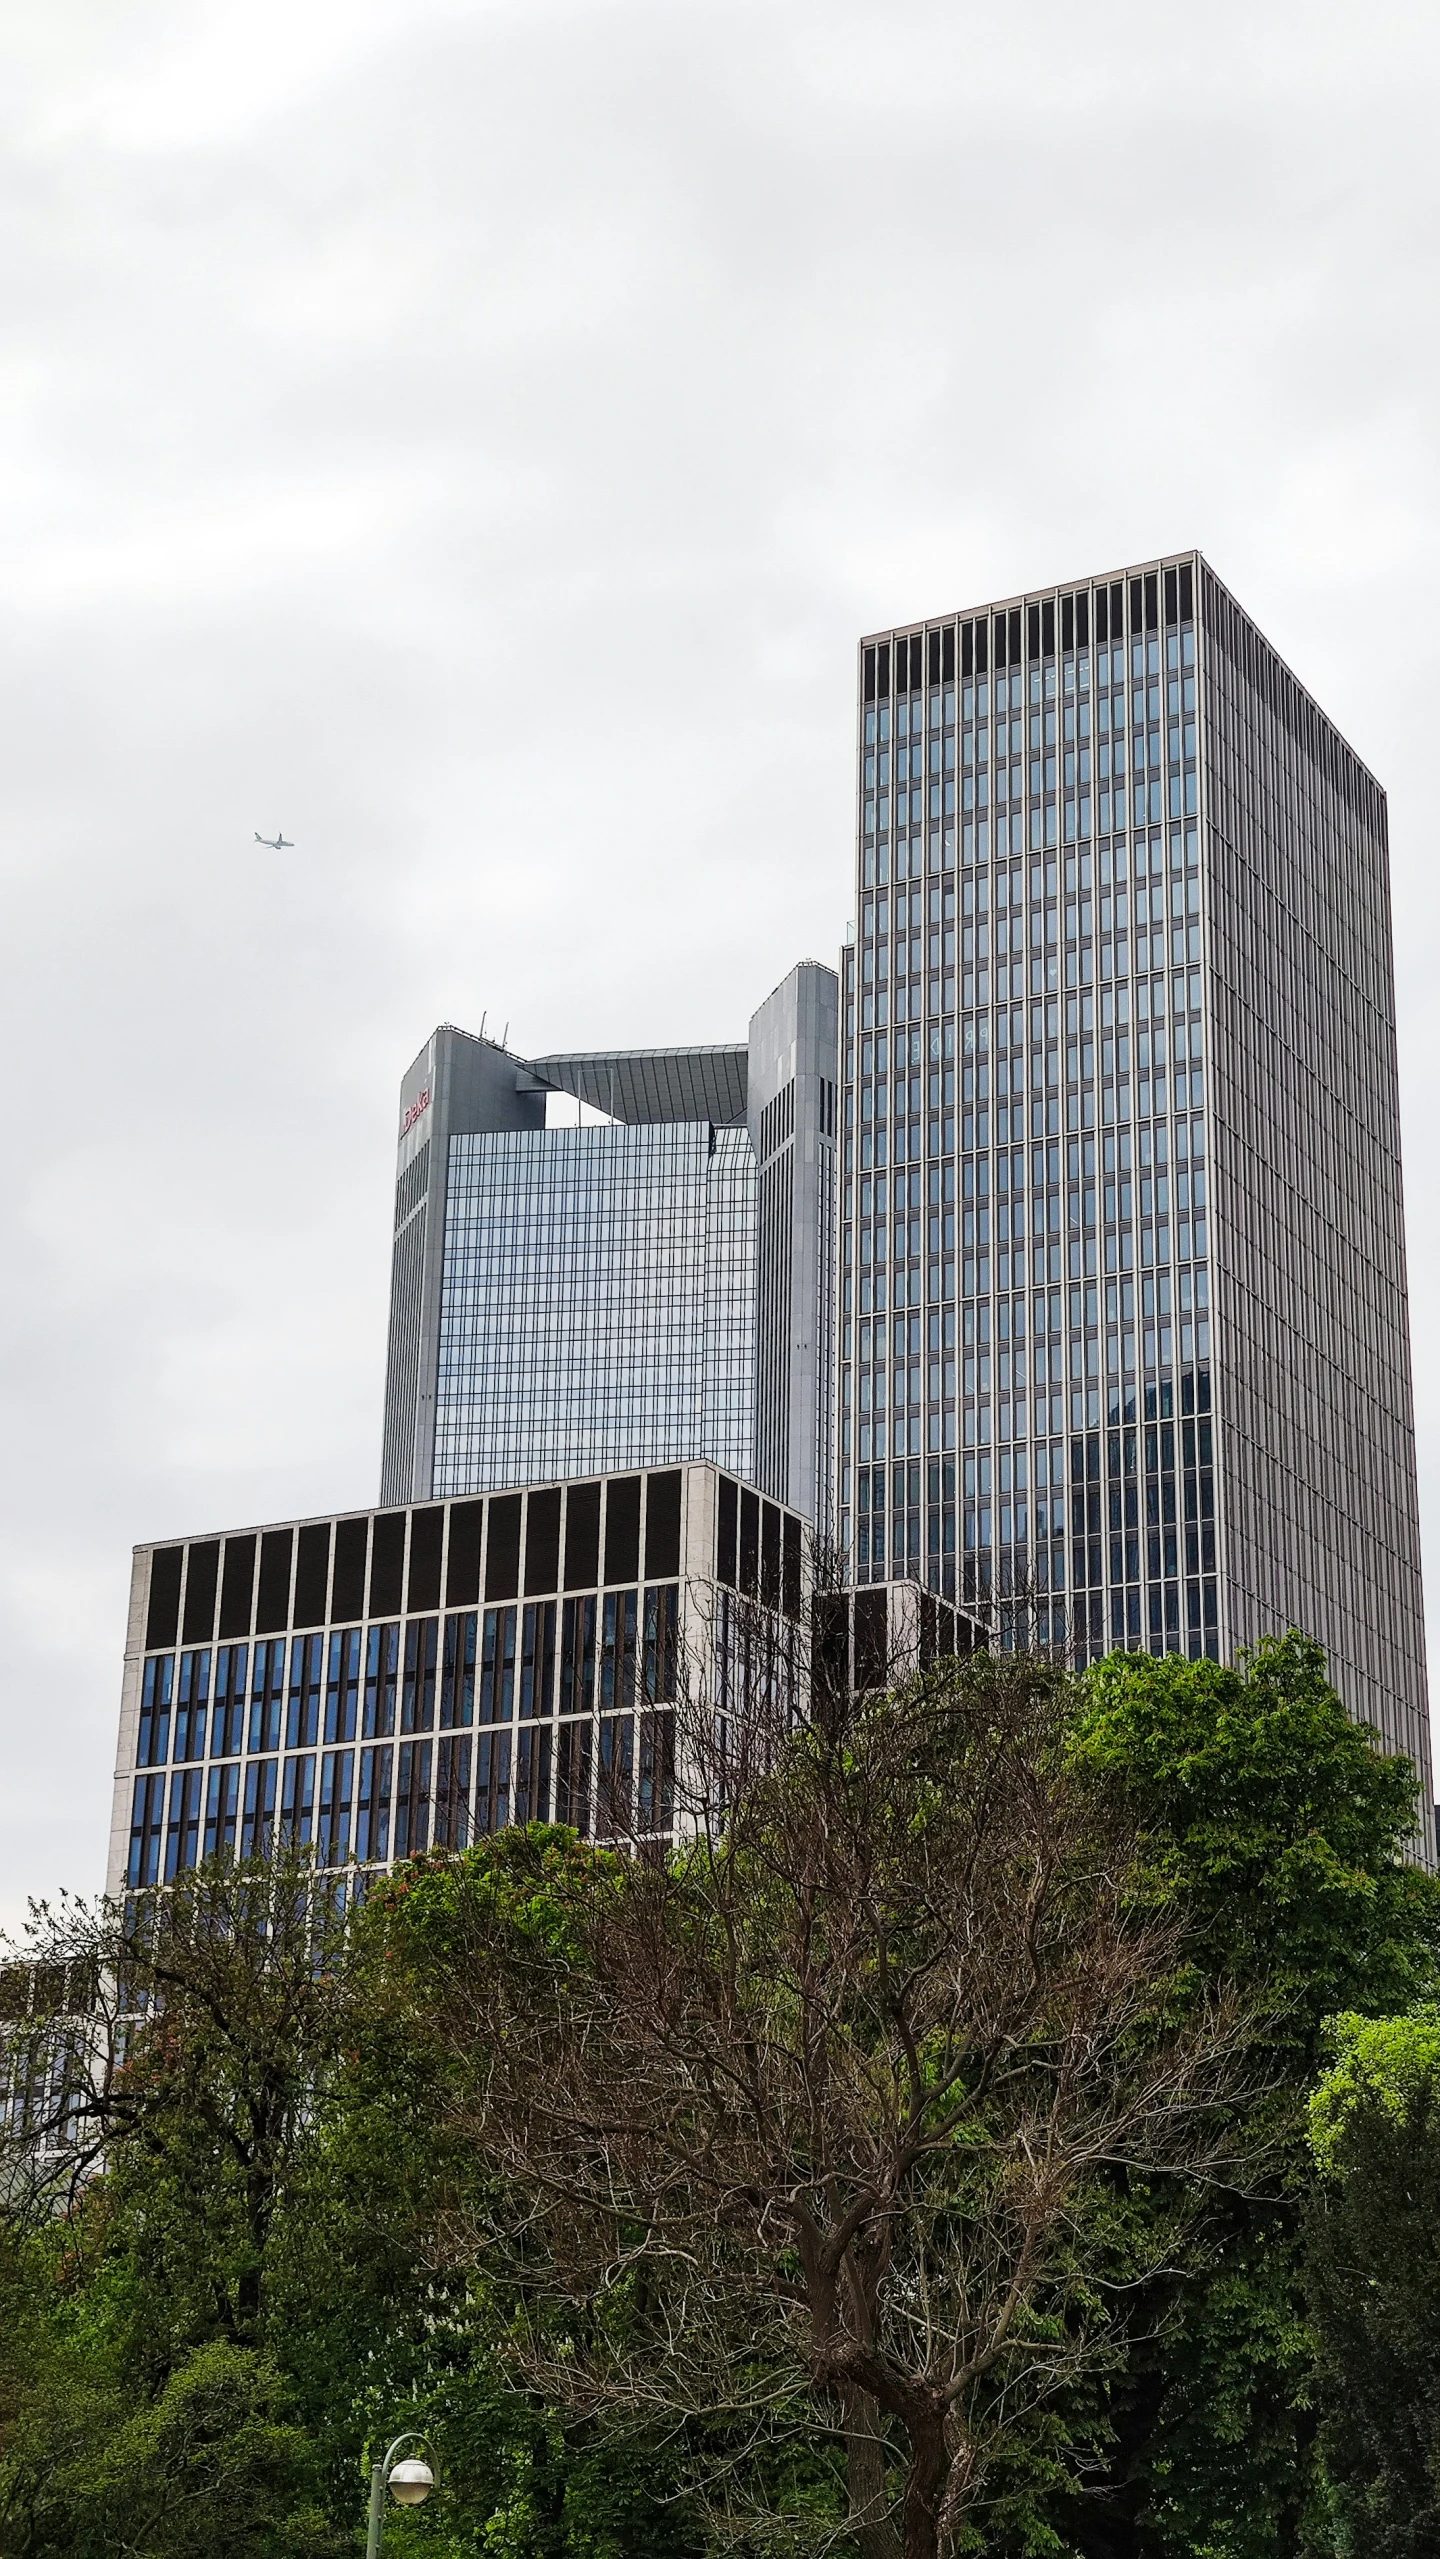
[
  {"x": 618, "y": 1259},
  {"x": 1124, "y": 1348},
  {"x": 598, "y": 1302}
]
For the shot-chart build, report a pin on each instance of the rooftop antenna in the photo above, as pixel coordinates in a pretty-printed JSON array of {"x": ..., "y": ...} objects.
[
  {"x": 484, "y": 1018},
  {"x": 505, "y": 1037}
]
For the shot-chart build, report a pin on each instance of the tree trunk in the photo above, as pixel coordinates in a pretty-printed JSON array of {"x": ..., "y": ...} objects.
[
  {"x": 925, "y": 2487},
  {"x": 870, "y": 2519}
]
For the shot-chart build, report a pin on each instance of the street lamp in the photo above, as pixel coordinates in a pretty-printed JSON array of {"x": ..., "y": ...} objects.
[{"x": 409, "y": 2482}]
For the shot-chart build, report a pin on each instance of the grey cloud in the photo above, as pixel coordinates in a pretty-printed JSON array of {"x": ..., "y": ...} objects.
[{"x": 473, "y": 438}]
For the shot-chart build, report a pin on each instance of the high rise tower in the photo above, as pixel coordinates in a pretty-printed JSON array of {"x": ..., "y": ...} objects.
[
  {"x": 1124, "y": 1323},
  {"x": 617, "y": 1260}
]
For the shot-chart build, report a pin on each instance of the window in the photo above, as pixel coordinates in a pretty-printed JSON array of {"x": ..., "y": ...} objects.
[
  {"x": 457, "y": 1681},
  {"x": 302, "y": 1722},
  {"x": 153, "y": 1741},
  {"x": 267, "y": 1695},
  {"x": 147, "y": 1822},
  {"x": 337, "y": 1783},
  {"x": 222, "y": 1809},
  {"x": 342, "y": 1686},
  {"x": 497, "y": 1667},
  {"x": 537, "y": 1659},
  {"x": 422, "y": 1642},
  {"x": 373, "y": 1806},
  {"x": 382, "y": 1679},
  {"x": 257, "y": 1827}
]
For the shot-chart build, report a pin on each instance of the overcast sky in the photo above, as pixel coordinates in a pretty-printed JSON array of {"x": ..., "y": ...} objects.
[{"x": 471, "y": 438}]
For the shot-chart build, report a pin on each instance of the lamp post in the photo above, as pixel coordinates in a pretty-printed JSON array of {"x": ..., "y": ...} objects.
[{"x": 409, "y": 2483}]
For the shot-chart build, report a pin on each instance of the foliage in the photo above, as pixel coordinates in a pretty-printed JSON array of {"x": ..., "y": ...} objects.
[
  {"x": 309, "y": 2197},
  {"x": 1382, "y": 2067},
  {"x": 210, "y": 2468},
  {"x": 1277, "y": 1823},
  {"x": 812, "y": 2125},
  {"x": 1281, "y": 1832},
  {"x": 215, "y": 2019},
  {"x": 234, "y": 2292},
  {"x": 1374, "y": 2273}
]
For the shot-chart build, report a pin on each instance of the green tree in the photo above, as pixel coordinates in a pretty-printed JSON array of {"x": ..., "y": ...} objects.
[
  {"x": 259, "y": 2266},
  {"x": 1374, "y": 2282},
  {"x": 372, "y": 2321},
  {"x": 812, "y": 2125},
  {"x": 214, "y": 2019},
  {"x": 210, "y": 2467},
  {"x": 1282, "y": 1832},
  {"x": 167, "y": 2119},
  {"x": 216, "y": 2262}
]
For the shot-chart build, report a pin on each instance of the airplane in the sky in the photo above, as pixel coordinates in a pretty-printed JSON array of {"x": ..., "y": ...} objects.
[{"x": 276, "y": 843}]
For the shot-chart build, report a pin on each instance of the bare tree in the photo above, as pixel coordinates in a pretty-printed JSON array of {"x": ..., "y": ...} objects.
[{"x": 822, "y": 2110}]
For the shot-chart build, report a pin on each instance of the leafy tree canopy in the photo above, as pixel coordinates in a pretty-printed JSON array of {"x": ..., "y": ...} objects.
[
  {"x": 1383, "y": 2068},
  {"x": 1278, "y": 1822},
  {"x": 1286, "y": 1833},
  {"x": 1374, "y": 2283},
  {"x": 258, "y": 2271}
]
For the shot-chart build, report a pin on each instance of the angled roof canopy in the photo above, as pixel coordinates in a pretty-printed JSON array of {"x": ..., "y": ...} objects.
[{"x": 653, "y": 1084}]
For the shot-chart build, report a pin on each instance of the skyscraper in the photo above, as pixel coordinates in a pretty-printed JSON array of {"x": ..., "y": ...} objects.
[
  {"x": 1124, "y": 1324},
  {"x": 591, "y": 1273}
]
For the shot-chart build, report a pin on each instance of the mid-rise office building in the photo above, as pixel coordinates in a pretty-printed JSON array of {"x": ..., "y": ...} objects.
[
  {"x": 1124, "y": 1319},
  {"x": 393, "y": 1680},
  {"x": 618, "y": 1260},
  {"x": 388, "y": 1681}
]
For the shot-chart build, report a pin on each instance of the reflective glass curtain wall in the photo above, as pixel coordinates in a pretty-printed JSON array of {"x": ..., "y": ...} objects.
[
  {"x": 1309, "y": 1254},
  {"x": 1114, "y": 874},
  {"x": 598, "y": 1303}
]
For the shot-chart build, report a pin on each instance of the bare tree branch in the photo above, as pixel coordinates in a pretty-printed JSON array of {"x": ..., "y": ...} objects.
[{"x": 824, "y": 2113}]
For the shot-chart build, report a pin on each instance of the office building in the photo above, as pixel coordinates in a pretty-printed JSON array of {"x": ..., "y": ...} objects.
[
  {"x": 619, "y": 1260},
  {"x": 1125, "y": 1343},
  {"x": 793, "y": 1069},
  {"x": 402, "y": 1679},
  {"x": 407, "y": 1678}
]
